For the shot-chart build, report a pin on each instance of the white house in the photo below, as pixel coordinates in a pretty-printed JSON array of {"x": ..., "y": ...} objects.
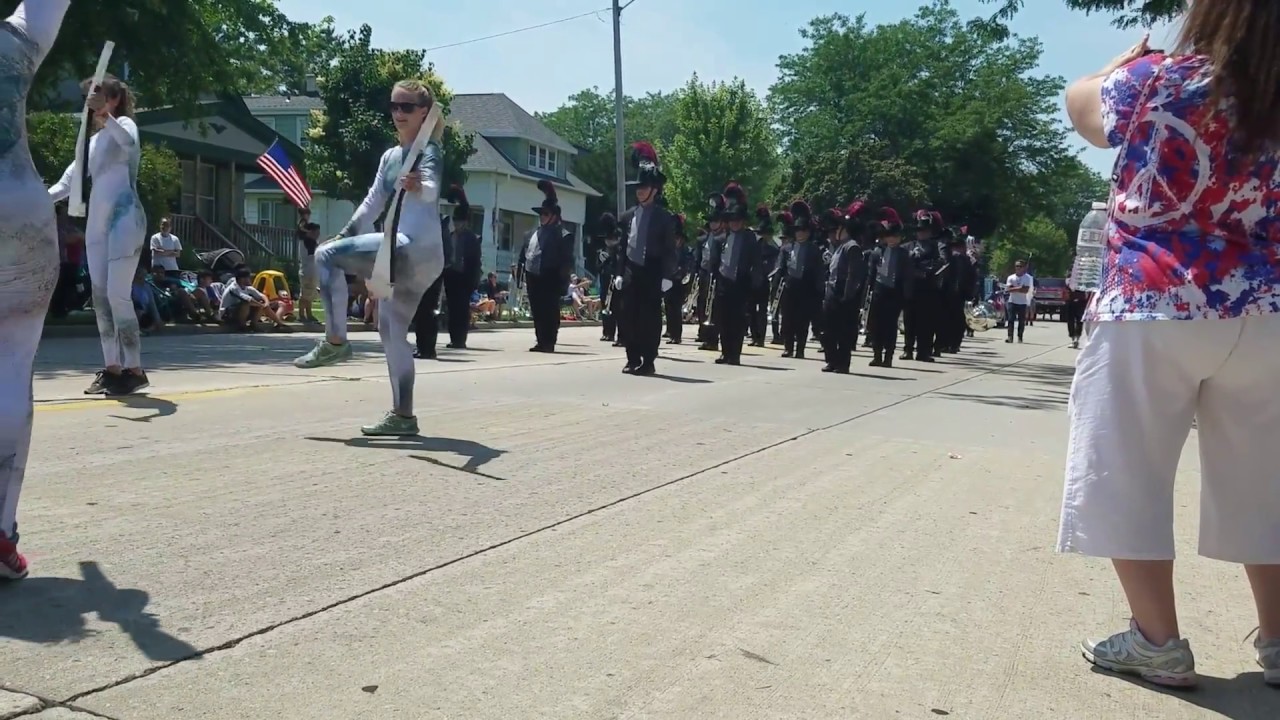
[{"x": 514, "y": 150}]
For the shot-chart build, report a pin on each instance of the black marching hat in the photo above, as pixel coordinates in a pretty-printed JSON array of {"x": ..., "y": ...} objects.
[
  {"x": 644, "y": 160},
  {"x": 854, "y": 218},
  {"x": 801, "y": 216},
  {"x": 890, "y": 223},
  {"x": 735, "y": 199},
  {"x": 607, "y": 226},
  {"x": 715, "y": 207},
  {"x": 457, "y": 197},
  {"x": 764, "y": 220},
  {"x": 550, "y": 202}
]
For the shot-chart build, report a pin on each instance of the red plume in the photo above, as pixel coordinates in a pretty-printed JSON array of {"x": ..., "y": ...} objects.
[
  {"x": 937, "y": 218},
  {"x": 889, "y": 217},
  {"x": 548, "y": 189},
  {"x": 855, "y": 209},
  {"x": 643, "y": 151},
  {"x": 786, "y": 218},
  {"x": 763, "y": 213}
]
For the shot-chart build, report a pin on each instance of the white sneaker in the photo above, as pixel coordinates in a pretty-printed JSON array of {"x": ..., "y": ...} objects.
[
  {"x": 1171, "y": 665},
  {"x": 1269, "y": 660}
]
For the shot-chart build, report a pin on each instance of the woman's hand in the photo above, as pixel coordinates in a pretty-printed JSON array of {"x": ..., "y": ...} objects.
[
  {"x": 97, "y": 101},
  {"x": 413, "y": 181},
  {"x": 1129, "y": 55}
]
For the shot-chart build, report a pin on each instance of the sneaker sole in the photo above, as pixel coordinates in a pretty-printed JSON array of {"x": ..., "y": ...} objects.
[
  {"x": 1271, "y": 677},
  {"x": 1162, "y": 678},
  {"x": 133, "y": 391},
  {"x": 375, "y": 433}
]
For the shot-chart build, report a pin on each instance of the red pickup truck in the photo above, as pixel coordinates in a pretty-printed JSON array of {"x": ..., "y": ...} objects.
[{"x": 1051, "y": 297}]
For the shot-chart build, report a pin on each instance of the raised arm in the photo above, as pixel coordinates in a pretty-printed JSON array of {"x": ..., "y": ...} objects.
[
  {"x": 61, "y": 190},
  {"x": 430, "y": 170},
  {"x": 40, "y": 21},
  {"x": 375, "y": 200},
  {"x": 123, "y": 131}
]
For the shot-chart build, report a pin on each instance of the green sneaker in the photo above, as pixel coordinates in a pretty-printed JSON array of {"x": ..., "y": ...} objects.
[
  {"x": 324, "y": 353},
  {"x": 1269, "y": 660},
  {"x": 392, "y": 425},
  {"x": 1130, "y": 653}
]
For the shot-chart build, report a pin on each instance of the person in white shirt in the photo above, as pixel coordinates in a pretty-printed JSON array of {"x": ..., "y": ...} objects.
[
  {"x": 1020, "y": 285},
  {"x": 166, "y": 248},
  {"x": 242, "y": 304}
]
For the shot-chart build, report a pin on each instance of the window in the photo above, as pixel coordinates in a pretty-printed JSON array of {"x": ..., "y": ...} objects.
[
  {"x": 264, "y": 212},
  {"x": 506, "y": 230},
  {"x": 287, "y": 128},
  {"x": 187, "y": 205},
  {"x": 543, "y": 159}
]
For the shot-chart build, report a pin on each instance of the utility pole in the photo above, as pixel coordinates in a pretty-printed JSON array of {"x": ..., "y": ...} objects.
[{"x": 621, "y": 176}]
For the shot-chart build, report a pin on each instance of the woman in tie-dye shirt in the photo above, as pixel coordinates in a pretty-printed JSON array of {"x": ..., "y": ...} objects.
[{"x": 1184, "y": 328}]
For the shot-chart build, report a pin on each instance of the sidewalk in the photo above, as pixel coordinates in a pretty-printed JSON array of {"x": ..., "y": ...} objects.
[{"x": 81, "y": 328}]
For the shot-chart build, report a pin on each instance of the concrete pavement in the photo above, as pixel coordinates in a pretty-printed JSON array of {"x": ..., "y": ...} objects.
[{"x": 568, "y": 542}]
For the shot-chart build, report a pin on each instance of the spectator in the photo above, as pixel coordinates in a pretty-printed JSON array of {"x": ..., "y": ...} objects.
[
  {"x": 178, "y": 303},
  {"x": 71, "y": 292},
  {"x": 243, "y": 306},
  {"x": 496, "y": 292},
  {"x": 166, "y": 248},
  {"x": 308, "y": 234},
  {"x": 1183, "y": 331},
  {"x": 145, "y": 305}
]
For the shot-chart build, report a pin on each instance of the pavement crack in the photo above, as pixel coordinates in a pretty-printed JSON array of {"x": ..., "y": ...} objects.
[
  {"x": 230, "y": 644},
  {"x": 47, "y": 704}
]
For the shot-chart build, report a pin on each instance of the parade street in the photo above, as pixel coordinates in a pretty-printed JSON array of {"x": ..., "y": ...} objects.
[{"x": 565, "y": 541}]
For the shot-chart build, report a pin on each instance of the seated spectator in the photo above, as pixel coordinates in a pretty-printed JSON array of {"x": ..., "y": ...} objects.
[
  {"x": 496, "y": 292},
  {"x": 211, "y": 290},
  {"x": 145, "y": 305},
  {"x": 482, "y": 306},
  {"x": 243, "y": 306},
  {"x": 181, "y": 306}
]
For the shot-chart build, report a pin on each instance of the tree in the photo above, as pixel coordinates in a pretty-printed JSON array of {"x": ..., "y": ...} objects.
[
  {"x": 1129, "y": 13},
  {"x": 177, "y": 52},
  {"x": 721, "y": 134},
  {"x": 348, "y": 138},
  {"x": 1041, "y": 241},
  {"x": 931, "y": 111},
  {"x": 52, "y": 138}
]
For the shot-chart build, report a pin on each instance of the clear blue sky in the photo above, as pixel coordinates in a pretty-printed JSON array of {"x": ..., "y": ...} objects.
[{"x": 666, "y": 41}]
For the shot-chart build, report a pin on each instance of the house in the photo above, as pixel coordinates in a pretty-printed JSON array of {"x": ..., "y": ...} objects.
[
  {"x": 514, "y": 151},
  {"x": 218, "y": 146}
]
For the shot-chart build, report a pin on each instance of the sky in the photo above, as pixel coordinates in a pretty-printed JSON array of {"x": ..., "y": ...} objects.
[{"x": 665, "y": 41}]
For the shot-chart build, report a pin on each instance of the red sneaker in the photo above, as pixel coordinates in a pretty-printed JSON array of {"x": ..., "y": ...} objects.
[{"x": 12, "y": 565}]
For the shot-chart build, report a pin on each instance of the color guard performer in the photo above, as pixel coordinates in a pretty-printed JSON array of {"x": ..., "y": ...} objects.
[
  {"x": 846, "y": 286},
  {"x": 650, "y": 262},
  {"x": 546, "y": 262},
  {"x": 734, "y": 262},
  {"x": 891, "y": 287},
  {"x": 801, "y": 269}
]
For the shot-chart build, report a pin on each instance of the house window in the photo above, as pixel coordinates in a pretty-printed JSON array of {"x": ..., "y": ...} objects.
[
  {"x": 287, "y": 128},
  {"x": 187, "y": 206},
  {"x": 506, "y": 230},
  {"x": 543, "y": 159},
  {"x": 264, "y": 212}
]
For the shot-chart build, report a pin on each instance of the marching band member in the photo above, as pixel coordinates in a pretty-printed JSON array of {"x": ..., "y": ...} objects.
[
  {"x": 28, "y": 261},
  {"x": 545, "y": 264},
  {"x": 675, "y": 298},
  {"x": 708, "y": 333},
  {"x": 957, "y": 290},
  {"x": 650, "y": 261},
  {"x": 920, "y": 320},
  {"x": 785, "y": 223},
  {"x": 461, "y": 268},
  {"x": 419, "y": 255},
  {"x": 610, "y": 268},
  {"x": 828, "y": 222},
  {"x": 426, "y": 320},
  {"x": 845, "y": 288},
  {"x": 114, "y": 235},
  {"x": 734, "y": 261},
  {"x": 892, "y": 283},
  {"x": 801, "y": 270},
  {"x": 758, "y": 305}
]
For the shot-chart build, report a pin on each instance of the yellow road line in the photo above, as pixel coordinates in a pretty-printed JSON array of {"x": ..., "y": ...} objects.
[{"x": 139, "y": 401}]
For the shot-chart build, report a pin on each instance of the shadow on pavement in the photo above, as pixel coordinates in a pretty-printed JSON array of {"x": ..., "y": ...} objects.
[
  {"x": 476, "y": 454},
  {"x": 1054, "y": 400},
  {"x": 51, "y": 610},
  {"x": 1243, "y": 697},
  {"x": 683, "y": 380},
  {"x": 162, "y": 407}
]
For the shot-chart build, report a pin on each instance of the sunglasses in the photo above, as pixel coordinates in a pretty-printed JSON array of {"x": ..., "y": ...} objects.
[{"x": 407, "y": 108}]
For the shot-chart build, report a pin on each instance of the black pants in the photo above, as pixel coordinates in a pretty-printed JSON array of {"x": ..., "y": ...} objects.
[
  {"x": 799, "y": 306},
  {"x": 544, "y": 304},
  {"x": 758, "y": 313},
  {"x": 673, "y": 302},
  {"x": 609, "y": 320},
  {"x": 706, "y": 332},
  {"x": 642, "y": 286},
  {"x": 425, "y": 324},
  {"x": 1018, "y": 316},
  {"x": 841, "y": 332},
  {"x": 920, "y": 322},
  {"x": 1074, "y": 315},
  {"x": 951, "y": 331},
  {"x": 882, "y": 321},
  {"x": 731, "y": 320},
  {"x": 457, "y": 297}
]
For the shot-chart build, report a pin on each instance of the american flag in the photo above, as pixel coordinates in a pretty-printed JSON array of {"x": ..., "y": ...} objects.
[{"x": 275, "y": 163}]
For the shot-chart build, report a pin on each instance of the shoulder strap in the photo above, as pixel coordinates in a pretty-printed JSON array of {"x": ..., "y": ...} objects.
[{"x": 1123, "y": 150}]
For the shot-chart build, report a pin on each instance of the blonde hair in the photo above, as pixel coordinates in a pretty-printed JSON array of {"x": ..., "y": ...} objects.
[
  {"x": 422, "y": 93},
  {"x": 113, "y": 87}
]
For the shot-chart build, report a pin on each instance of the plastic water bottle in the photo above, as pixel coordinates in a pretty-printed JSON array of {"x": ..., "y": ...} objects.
[{"x": 1091, "y": 250}]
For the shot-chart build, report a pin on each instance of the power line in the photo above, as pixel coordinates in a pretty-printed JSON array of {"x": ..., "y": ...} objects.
[{"x": 524, "y": 29}]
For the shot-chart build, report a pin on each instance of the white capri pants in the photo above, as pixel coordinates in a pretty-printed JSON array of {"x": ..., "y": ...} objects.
[{"x": 1138, "y": 387}]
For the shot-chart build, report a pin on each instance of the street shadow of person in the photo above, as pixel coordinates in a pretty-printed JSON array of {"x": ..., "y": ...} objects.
[
  {"x": 162, "y": 407},
  {"x": 476, "y": 454},
  {"x": 678, "y": 379},
  {"x": 1243, "y": 697},
  {"x": 49, "y": 610}
]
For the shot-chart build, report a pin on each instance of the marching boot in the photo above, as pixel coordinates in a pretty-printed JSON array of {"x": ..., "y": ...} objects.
[
  {"x": 907, "y": 355},
  {"x": 800, "y": 353},
  {"x": 877, "y": 361}
]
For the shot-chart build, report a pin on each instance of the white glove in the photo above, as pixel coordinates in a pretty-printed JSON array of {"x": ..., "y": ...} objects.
[
  {"x": 617, "y": 283},
  {"x": 666, "y": 285}
]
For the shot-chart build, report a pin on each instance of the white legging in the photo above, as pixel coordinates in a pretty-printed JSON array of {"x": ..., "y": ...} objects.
[
  {"x": 112, "y": 281},
  {"x": 418, "y": 265},
  {"x": 19, "y": 338}
]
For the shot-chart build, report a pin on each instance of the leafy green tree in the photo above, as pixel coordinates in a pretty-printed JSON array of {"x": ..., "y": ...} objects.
[
  {"x": 930, "y": 111},
  {"x": 1129, "y": 13},
  {"x": 1040, "y": 240},
  {"x": 178, "y": 51},
  {"x": 52, "y": 137},
  {"x": 722, "y": 133},
  {"x": 349, "y": 137}
]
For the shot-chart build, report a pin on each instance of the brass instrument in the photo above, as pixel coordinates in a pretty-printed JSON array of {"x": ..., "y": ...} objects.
[
  {"x": 691, "y": 300},
  {"x": 775, "y": 300},
  {"x": 979, "y": 317},
  {"x": 708, "y": 322}
]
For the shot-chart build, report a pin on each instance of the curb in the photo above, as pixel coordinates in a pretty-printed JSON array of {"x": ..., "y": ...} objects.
[{"x": 90, "y": 330}]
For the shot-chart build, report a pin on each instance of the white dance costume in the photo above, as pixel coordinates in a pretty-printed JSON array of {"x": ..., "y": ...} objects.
[
  {"x": 28, "y": 242},
  {"x": 113, "y": 238}
]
